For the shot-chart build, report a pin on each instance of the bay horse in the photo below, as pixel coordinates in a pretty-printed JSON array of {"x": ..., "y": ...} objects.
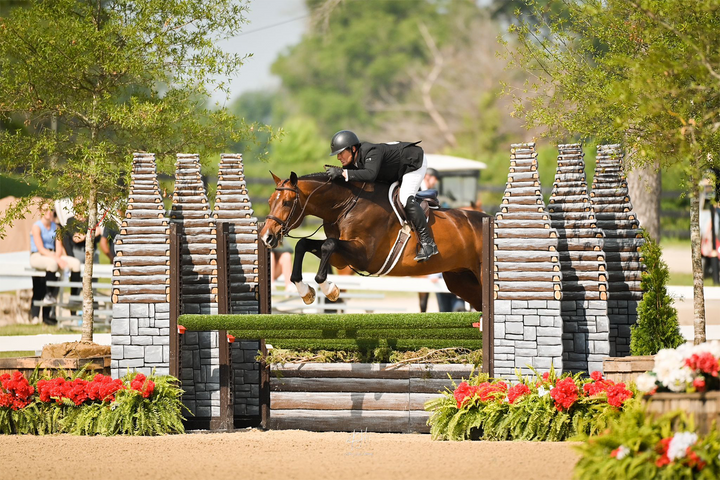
[{"x": 361, "y": 228}]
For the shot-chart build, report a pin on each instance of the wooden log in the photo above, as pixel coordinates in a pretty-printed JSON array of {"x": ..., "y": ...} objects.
[
  {"x": 379, "y": 421},
  {"x": 615, "y": 216},
  {"x": 199, "y": 289},
  {"x": 519, "y": 177},
  {"x": 522, "y": 223},
  {"x": 526, "y": 233},
  {"x": 525, "y": 276},
  {"x": 610, "y": 192},
  {"x": 515, "y": 191},
  {"x": 579, "y": 184},
  {"x": 527, "y": 256},
  {"x": 237, "y": 269},
  {"x": 232, "y": 178},
  {"x": 570, "y": 169},
  {"x": 580, "y": 233},
  {"x": 145, "y": 279},
  {"x": 572, "y": 216},
  {"x": 141, "y": 214},
  {"x": 141, "y": 239},
  {"x": 126, "y": 271},
  {"x": 562, "y": 177},
  {"x": 144, "y": 222},
  {"x": 569, "y": 199},
  {"x": 361, "y": 385},
  {"x": 134, "y": 199},
  {"x": 140, "y": 289},
  {"x": 625, "y": 266},
  {"x": 199, "y": 298},
  {"x": 142, "y": 250},
  {"x": 559, "y": 223},
  {"x": 569, "y": 207},
  {"x": 153, "y": 230},
  {"x": 585, "y": 295},
  {"x": 210, "y": 270},
  {"x": 549, "y": 295},
  {"x": 623, "y": 244},
  {"x": 625, "y": 276},
  {"x": 199, "y": 260},
  {"x": 545, "y": 244},
  {"x": 594, "y": 244},
  {"x": 618, "y": 225},
  {"x": 139, "y": 261},
  {"x": 193, "y": 278},
  {"x": 227, "y": 198},
  {"x": 517, "y": 207},
  {"x": 208, "y": 231},
  {"x": 522, "y": 215},
  {"x": 525, "y": 286},
  {"x": 517, "y": 266},
  {"x": 524, "y": 162},
  {"x": 581, "y": 256},
  {"x": 145, "y": 206},
  {"x": 588, "y": 286},
  {"x": 637, "y": 295},
  {"x": 608, "y": 207},
  {"x": 244, "y": 278},
  {"x": 526, "y": 200},
  {"x": 561, "y": 191},
  {"x": 227, "y": 185},
  {"x": 233, "y": 215},
  {"x": 144, "y": 298},
  {"x": 620, "y": 256},
  {"x": 234, "y": 206},
  {"x": 582, "y": 266},
  {"x": 626, "y": 285},
  {"x": 574, "y": 276},
  {"x": 340, "y": 401}
]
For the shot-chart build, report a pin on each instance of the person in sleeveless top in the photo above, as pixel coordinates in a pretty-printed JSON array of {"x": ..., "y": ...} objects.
[
  {"x": 48, "y": 254},
  {"x": 387, "y": 162}
]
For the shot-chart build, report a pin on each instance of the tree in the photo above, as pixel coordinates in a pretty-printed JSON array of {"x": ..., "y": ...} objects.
[
  {"x": 642, "y": 71},
  {"x": 657, "y": 325},
  {"x": 95, "y": 80}
]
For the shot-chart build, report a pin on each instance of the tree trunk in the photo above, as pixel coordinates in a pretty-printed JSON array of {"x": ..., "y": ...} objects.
[
  {"x": 645, "y": 187},
  {"x": 88, "y": 311},
  {"x": 698, "y": 293}
]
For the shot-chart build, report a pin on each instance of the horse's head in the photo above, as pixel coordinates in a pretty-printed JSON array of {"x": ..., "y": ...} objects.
[{"x": 285, "y": 210}]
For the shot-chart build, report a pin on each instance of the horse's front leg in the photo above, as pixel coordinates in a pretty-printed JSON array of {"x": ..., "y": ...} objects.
[
  {"x": 303, "y": 246},
  {"x": 331, "y": 291}
]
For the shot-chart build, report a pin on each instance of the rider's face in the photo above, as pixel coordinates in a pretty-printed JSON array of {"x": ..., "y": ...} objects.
[{"x": 346, "y": 157}]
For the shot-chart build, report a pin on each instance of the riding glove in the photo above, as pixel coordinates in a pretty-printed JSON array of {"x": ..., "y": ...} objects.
[{"x": 334, "y": 172}]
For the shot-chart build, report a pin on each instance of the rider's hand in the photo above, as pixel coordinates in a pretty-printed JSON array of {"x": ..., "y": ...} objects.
[{"x": 334, "y": 172}]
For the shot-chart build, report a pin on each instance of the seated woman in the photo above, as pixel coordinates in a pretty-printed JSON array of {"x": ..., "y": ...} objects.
[{"x": 47, "y": 253}]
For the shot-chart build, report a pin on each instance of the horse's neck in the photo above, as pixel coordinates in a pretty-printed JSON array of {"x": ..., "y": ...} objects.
[{"x": 331, "y": 200}]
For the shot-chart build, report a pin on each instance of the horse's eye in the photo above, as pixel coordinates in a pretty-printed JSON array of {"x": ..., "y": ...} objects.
[{"x": 287, "y": 203}]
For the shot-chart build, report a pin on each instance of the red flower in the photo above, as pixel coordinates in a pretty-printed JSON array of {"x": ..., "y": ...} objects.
[
  {"x": 517, "y": 391},
  {"x": 693, "y": 460},
  {"x": 617, "y": 394},
  {"x": 596, "y": 375},
  {"x": 17, "y": 391},
  {"x": 662, "y": 449},
  {"x": 565, "y": 393},
  {"x": 145, "y": 386},
  {"x": 704, "y": 362},
  {"x": 699, "y": 384},
  {"x": 546, "y": 376},
  {"x": 103, "y": 388}
]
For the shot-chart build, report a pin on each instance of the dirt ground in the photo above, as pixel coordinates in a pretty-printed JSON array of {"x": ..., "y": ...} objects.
[{"x": 287, "y": 455}]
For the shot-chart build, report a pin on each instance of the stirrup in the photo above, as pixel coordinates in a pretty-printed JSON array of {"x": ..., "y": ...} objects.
[{"x": 426, "y": 251}]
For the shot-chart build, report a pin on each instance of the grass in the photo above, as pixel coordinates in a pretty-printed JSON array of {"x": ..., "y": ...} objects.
[
  {"x": 681, "y": 279},
  {"x": 675, "y": 242},
  {"x": 19, "y": 353}
]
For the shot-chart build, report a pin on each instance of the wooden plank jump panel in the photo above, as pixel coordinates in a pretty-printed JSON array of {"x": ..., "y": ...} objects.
[{"x": 353, "y": 396}]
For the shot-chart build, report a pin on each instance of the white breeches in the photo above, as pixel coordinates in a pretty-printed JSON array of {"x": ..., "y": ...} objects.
[{"x": 411, "y": 182}]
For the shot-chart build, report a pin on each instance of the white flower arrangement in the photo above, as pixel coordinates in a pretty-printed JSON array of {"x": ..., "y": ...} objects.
[
  {"x": 679, "y": 444},
  {"x": 683, "y": 369}
]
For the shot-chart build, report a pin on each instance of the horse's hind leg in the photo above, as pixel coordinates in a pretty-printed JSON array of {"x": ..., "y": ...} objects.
[
  {"x": 303, "y": 246},
  {"x": 466, "y": 285}
]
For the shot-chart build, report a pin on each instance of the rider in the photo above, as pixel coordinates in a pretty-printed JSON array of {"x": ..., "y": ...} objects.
[{"x": 387, "y": 162}]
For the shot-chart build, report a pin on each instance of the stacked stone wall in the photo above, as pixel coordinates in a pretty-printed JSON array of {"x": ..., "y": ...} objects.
[
  {"x": 141, "y": 268},
  {"x": 584, "y": 281},
  {"x": 527, "y": 321},
  {"x": 623, "y": 240}
]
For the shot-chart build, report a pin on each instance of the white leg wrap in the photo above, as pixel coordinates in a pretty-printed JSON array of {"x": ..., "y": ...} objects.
[
  {"x": 302, "y": 288},
  {"x": 327, "y": 287}
]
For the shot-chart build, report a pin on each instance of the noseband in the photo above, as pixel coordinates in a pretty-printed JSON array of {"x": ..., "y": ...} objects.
[{"x": 284, "y": 224}]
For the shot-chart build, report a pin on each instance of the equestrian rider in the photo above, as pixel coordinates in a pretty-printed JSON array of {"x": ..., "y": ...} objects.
[{"x": 387, "y": 163}]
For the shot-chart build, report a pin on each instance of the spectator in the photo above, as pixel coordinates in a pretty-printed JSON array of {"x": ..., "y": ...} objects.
[
  {"x": 430, "y": 180},
  {"x": 47, "y": 254},
  {"x": 281, "y": 264},
  {"x": 73, "y": 241}
]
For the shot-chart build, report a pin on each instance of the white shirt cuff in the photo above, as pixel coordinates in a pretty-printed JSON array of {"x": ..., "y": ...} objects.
[{"x": 345, "y": 174}]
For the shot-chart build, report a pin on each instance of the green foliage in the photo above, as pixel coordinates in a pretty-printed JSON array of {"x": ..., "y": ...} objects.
[
  {"x": 129, "y": 414},
  {"x": 532, "y": 417},
  {"x": 657, "y": 326},
  {"x": 353, "y": 332},
  {"x": 641, "y": 434}
]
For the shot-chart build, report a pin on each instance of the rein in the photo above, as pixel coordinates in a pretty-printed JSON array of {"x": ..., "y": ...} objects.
[{"x": 285, "y": 228}]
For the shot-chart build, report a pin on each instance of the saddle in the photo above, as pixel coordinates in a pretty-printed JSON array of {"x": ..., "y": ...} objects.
[{"x": 427, "y": 198}]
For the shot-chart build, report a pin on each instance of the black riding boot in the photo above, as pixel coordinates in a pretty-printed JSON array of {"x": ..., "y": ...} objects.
[{"x": 415, "y": 215}]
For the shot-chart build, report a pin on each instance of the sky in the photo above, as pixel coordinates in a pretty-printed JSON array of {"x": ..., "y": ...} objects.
[{"x": 274, "y": 25}]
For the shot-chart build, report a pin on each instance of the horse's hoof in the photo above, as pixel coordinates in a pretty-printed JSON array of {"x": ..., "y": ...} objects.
[
  {"x": 334, "y": 294},
  {"x": 310, "y": 296}
]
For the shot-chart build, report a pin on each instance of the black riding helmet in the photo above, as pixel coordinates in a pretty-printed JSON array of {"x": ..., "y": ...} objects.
[{"x": 343, "y": 140}]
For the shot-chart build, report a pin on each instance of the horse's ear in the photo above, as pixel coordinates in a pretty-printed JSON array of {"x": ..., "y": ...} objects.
[
  {"x": 293, "y": 178},
  {"x": 275, "y": 177}
]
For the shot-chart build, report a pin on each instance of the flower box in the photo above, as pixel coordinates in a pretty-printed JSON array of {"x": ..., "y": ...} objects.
[
  {"x": 703, "y": 406},
  {"x": 627, "y": 369},
  {"x": 27, "y": 365}
]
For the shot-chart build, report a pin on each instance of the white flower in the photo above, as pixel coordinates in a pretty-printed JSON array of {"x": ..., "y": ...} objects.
[
  {"x": 670, "y": 368},
  {"x": 679, "y": 445},
  {"x": 645, "y": 382},
  {"x": 542, "y": 392},
  {"x": 712, "y": 347},
  {"x": 622, "y": 452}
]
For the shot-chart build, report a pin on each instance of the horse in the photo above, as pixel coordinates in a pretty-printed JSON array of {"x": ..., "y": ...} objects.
[{"x": 361, "y": 227}]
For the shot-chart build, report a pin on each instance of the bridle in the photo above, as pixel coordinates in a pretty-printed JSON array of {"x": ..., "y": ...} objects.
[{"x": 284, "y": 224}]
